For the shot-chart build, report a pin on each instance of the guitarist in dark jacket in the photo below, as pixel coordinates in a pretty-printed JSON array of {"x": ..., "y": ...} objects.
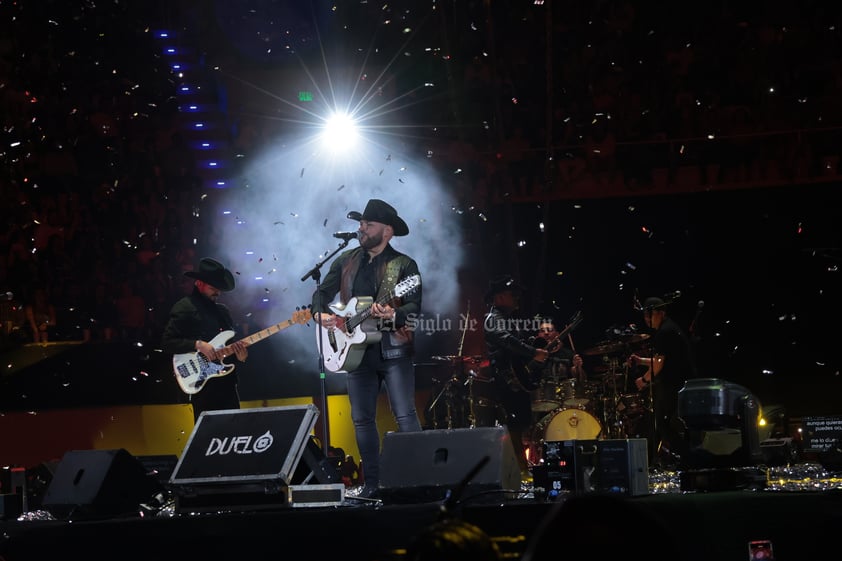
[
  {"x": 515, "y": 364},
  {"x": 369, "y": 272},
  {"x": 195, "y": 320}
]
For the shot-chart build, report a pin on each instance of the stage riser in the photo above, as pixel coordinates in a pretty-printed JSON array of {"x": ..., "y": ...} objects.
[{"x": 690, "y": 527}]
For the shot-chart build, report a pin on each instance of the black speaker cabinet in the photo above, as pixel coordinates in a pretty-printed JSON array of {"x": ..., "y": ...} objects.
[
  {"x": 470, "y": 462},
  {"x": 99, "y": 484}
]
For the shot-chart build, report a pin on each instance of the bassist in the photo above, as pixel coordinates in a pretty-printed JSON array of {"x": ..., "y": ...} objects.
[
  {"x": 196, "y": 319},
  {"x": 369, "y": 272}
]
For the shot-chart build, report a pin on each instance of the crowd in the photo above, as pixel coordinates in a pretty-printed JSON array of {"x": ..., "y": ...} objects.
[
  {"x": 100, "y": 197},
  {"x": 643, "y": 94},
  {"x": 99, "y": 212}
]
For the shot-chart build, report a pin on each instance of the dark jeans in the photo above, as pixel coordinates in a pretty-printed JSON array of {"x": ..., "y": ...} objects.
[
  {"x": 218, "y": 393},
  {"x": 398, "y": 377}
]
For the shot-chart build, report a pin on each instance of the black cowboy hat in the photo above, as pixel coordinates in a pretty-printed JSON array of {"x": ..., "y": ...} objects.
[
  {"x": 381, "y": 211},
  {"x": 501, "y": 284},
  {"x": 214, "y": 273},
  {"x": 653, "y": 303}
]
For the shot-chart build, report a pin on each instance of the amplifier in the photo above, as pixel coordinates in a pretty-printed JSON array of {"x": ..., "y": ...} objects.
[
  {"x": 616, "y": 466},
  {"x": 623, "y": 466},
  {"x": 569, "y": 466}
]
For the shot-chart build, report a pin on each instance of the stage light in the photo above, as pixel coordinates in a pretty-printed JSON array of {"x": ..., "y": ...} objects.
[
  {"x": 340, "y": 133},
  {"x": 721, "y": 422}
]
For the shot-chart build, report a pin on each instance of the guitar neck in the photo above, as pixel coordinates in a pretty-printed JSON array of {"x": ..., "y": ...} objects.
[{"x": 262, "y": 334}]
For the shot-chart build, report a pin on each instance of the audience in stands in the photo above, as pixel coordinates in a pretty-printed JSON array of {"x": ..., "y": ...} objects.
[{"x": 99, "y": 185}]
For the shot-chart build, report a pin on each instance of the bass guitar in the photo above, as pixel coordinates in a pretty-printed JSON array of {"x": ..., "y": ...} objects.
[
  {"x": 193, "y": 370},
  {"x": 345, "y": 344}
]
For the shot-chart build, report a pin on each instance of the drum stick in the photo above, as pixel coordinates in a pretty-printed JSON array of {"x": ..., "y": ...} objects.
[{"x": 576, "y": 369}]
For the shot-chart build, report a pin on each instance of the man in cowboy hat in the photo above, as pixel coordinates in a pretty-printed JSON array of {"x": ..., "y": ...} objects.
[
  {"x": 194, "y": 321},
  {"x": 510, "y": 357},
  {"x": 668, "y": 365},
  {"x": 372, "y": 271}
]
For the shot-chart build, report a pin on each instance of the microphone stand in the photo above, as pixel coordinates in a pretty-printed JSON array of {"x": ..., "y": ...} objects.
[
  {"x": 651, "y": 391},
  {"x": 316, "y": 273}
]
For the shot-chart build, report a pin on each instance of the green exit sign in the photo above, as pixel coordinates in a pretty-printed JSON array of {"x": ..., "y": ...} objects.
[{"x": 305, "y": 96}]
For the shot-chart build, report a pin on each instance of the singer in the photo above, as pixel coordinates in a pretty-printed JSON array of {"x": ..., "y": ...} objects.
[{"x": 371, "y": 273}]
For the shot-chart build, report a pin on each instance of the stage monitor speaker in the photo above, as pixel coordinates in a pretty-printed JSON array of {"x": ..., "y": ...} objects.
[
  {"x": 99, "y": 484},
  {"x": 424, "y": 466},
  {"x": 243, "y": 459},
  {"x": 237, "y": 445}
]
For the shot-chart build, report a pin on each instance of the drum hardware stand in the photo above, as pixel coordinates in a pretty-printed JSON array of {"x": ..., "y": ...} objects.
[
  {"x": 447, "y": 387},
  {"x": 472, "y": 414},
  {"x": 609, "y": 415},
  {"x": 448, "y": 402}
]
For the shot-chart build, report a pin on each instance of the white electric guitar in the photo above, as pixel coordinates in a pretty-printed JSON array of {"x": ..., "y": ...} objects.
[
  {"x": 345, "y": 344},
  {"x": 193, "y": 370}
]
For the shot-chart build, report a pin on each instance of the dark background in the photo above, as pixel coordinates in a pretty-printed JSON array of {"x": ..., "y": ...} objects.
[{"x": 761, "y": 255}]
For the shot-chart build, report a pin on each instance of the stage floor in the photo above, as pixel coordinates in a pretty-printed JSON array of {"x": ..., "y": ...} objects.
[{"x": 667, "y": 523}]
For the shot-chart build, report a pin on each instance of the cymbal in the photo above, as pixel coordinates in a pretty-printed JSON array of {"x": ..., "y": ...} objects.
[
  {"x": 605, "y": 347},
  {"x": 458, "y": 358},
  {"x": 636, "y": 338}
]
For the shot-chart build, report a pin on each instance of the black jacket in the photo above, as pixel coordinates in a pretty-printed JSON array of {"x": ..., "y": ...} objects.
[{"x": 392, "y": 267}]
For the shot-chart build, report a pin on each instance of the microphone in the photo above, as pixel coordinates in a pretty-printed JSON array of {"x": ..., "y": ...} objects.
[
  {"x": 452, "y": 496},
  {"x": 693, "y": 323},
  {"x": 346, "y": 235}
]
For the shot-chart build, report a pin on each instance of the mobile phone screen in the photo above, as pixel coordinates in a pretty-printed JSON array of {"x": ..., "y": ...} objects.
[{"x": 760, "y": 550}]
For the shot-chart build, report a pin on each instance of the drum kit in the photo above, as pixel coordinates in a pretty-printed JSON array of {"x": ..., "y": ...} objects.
[
  {"x": 465, "y": 399},
  {"x": 599, "y": 407},
  {"x": 603, "y": 405}
]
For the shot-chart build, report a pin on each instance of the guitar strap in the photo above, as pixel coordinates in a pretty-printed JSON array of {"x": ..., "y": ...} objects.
[
  {"x": 349, "y": 271},
  {"x": 390, "y": 279},
  {"x": 401, "y": 335},
  {"x": 390, "y": 275}
]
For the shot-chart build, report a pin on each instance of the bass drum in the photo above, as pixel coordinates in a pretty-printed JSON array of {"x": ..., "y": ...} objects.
[{"x": 569, "y": 424}]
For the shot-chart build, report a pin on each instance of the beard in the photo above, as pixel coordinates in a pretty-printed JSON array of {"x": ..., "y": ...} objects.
[{"x": 368, "y": 242}]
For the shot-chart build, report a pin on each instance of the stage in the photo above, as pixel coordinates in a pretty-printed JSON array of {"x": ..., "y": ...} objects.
[
  {"x": 676, "y": 526},
  {"x": 104, "y": 509}
]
